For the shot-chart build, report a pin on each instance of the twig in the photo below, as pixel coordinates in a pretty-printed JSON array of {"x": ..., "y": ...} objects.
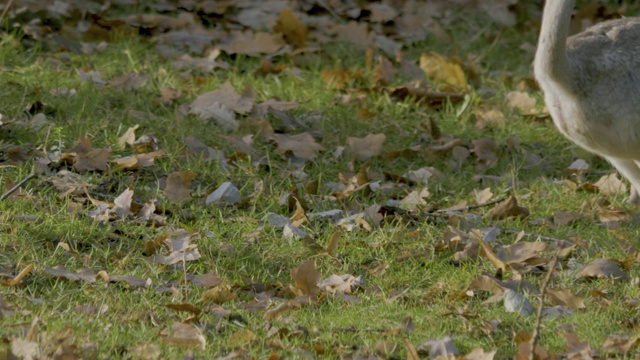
[
  {"x": 6, "y": 9},
  {"x": 538, "y": 236},
  {"x": 18, "y": 186},
  {"x": 470, "y": 207},
  {"x": 543, "y": 290}
]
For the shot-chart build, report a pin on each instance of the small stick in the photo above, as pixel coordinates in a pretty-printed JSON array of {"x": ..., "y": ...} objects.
[
  {"x": 543, "y": 290},
  {"x": 18, "y": 186},
  {"x": 470, "y": 207},
  {"x": 541, "y": 237},
  {"x": 6, "y": 10}
]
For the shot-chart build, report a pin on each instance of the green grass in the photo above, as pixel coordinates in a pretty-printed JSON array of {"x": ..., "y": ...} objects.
[{"x": 31, "y": 227}]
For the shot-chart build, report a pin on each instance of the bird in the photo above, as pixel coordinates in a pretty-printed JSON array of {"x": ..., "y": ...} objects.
[{"x": 591, "y": 86}]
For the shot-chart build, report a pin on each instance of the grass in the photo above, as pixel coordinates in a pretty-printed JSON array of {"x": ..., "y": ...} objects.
[{"x": 108, "y": 320}]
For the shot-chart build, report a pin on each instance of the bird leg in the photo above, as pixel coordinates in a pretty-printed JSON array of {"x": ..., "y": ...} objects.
[{"x": 630, "y": 169}]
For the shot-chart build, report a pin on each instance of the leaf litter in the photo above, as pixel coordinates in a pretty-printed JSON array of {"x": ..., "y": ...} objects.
[{"x": 108, "y": 183}]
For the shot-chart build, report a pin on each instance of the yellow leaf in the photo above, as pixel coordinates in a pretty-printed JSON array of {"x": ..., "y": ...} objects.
[{"x": 440, "y": 70}]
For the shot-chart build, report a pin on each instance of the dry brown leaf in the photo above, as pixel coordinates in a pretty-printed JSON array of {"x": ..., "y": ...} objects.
[
  {"x": 301, "y": 145},
  {"x": 563, "y": 218},
  {"x": 15, "y": 281},
  {"x": 443, "y": 71},
  {"x": 412, "y": 353},
  {"x": 613, "y": 215},
  {"x": 177, "y": 188},
  {"x": 145, "y": 351},
  {"x": 131, "y": 280},
  {"x": 137, "y": 161},
  {"x": 521, "y": 252},
  {"x": 354, "y": 32},
  {"x": 186, "y": 307},
  {"x": 250, "y": 43},
  {"x": 277, "y": 311},
  {"x": 619, "y": 344},
  {"x": 384, "y": 72},
  {"x": 227, "y": 96},
  {"x": 488, "y": 252},
  {"x": 564, "y": 297},
  {"x": 367, "y": 147},
  {"x": 242, "y": 338},
  {"x": 184, "y": 335},
  {"x": 479, "y": 354},
  {"x": 508, "y": 208},
  {"x": 306, "y": 278},
  {"x": 611, "y": 185},
  {"x": 206, "y": 281},
  {"x": 521, "y": 100},
  {"x": 292, "y": 30},
  {"x": 84, "y": 274},
  {"x": 484, "y": 149},
  {"x": 128, "y": 138},
  {"x": 219, "y": 294},
  {"x": 339, "y": 78},
  {"x": 439, "y": 347},
  {"x": 298, "y": 218},
  {"x": 207, "y": 153},
  {"x": 334, "y": 242},
  {"x": 169, "y": 95},
  {"x": 180, "y": 247},
  {"x": 576, "y": 348},
  {"x": 491, "y": 116},
  {"x": 85, "y": 158},
  {"x": 601, "y": 268}
]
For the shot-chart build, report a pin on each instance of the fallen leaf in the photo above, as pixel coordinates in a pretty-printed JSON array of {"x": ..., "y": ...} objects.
[
  {"x": 85, "y": 158},
  {"x": 177, "y": 187},
  {"x": 521, "y": 100},
  {"x": 334, "y": 242},
  {"x": 440, "y": 347},
  {"x": 306, "y": 278},
  {"x": 301, "y": 145},
  {"x": 484, "y": 149},
  {"x": 516, "y": 302},
  {"x": 611, "y": 185},
  {"x": 600, "y": 268},
  {"x": 16, "y": 280},
  {"x": 122, "y": 203},
  {"x": 137, "y": 161},
  {"x": 479, "y": 354},
  {"x": 84, "y": 274},
  {"x": 521, "y": 252},
  {"x": 225, "y": 194},
  {"x": 206, "y": 281},
  {"x": 250, "y": 43},
  {"x": 186, "y": 307},
  {"x": 128, "y": 138},
  {"x": 227, "y": 96},
  {"x": 619, "y": 344},
  {"x": 365, "y": 148},
  {"x": 564, "y": 297},
  {"x": 219, "y": 294},
  {"x": 443, "y": 71},
  {"x": 242, "y": 338},
  {"x": 184, "y": 335},
  {"x": 292, "y": 30},
  {"x": 145, "y": 351},
  {"x": 508, "y": 208}
]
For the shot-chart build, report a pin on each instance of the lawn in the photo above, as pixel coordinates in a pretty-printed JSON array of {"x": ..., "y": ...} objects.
[{"x": 218, "y": 180}]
